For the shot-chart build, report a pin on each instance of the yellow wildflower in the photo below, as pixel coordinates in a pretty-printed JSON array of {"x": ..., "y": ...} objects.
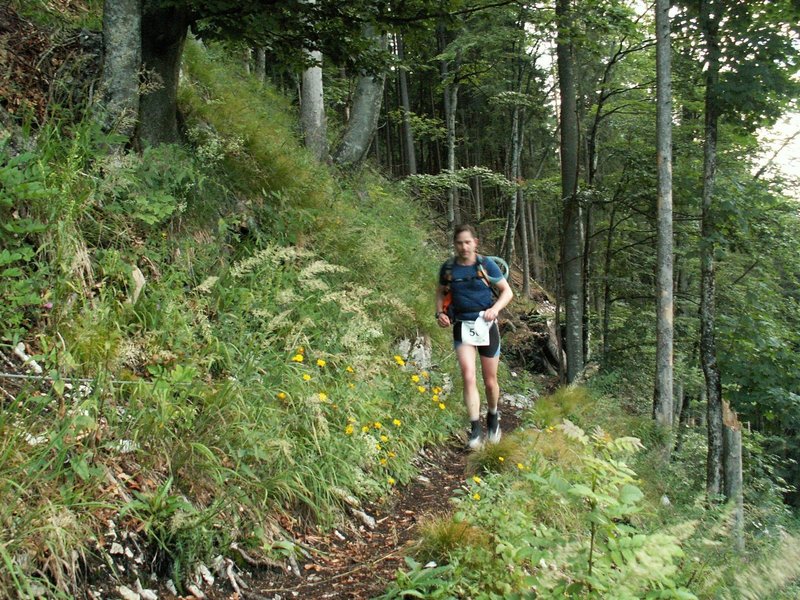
[
  {"x": 476, "y": 496},
  {"x": 349, "y": 369},
  {"x": 425, "y": 374},
  {"x": 281, "y": 395},
  {"x": 421, "y": 389},
  {"x": 301, "y": 350},
  {"x": 377, "y": 425},
  {"x": 501, "y": 458},
  {"x": 352, "y": 420},
  {"x": 377, "y": 447},
  {"x": 321, "y": 363},
  {"x": 306, "y": 377},
  {"x": 396, "y": 423},
  {"x": 351, "y": 386},
  {"x": 435, "y": 398},
  {"x": 383, "y": 462},
  {"x": 399, "y": 360},
  {"x": 365, "y": 429},
  {"x": 297, "y": 358},
  {"x": 349, "y": 430},
  {"x": 441, "y": 405},
  {"x": 476, "y": 479},
  {"x": 520, "y": 466},
  {"x": 391, "y": 481},
  {"x": 323, "y": 397},
  {"x": 415, "y": 378},
  {"x": 437, "y": 390},
  {"x": 391, "y": 454},
  {"x": 384, "y": 438}
]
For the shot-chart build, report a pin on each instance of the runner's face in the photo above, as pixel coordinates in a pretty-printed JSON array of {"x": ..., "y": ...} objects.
[{"x": 466, "y": 246}]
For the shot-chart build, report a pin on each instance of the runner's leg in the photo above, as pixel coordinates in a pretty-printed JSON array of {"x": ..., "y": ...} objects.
[
  {"x": 489, "y": 367},
  {"x": 472, "y": 400}
]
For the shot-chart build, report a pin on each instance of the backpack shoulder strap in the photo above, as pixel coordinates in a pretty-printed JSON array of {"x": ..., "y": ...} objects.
[{"x": 448, "y": 269}]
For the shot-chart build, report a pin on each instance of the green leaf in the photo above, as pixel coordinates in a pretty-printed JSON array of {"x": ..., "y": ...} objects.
[
  {"x": 630, "y": 494},
  {"x": 81, "y": 467}
]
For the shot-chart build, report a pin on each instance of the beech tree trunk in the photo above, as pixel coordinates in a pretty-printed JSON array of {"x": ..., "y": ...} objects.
[
  {"x": 572, "y": 263},
  {"x": 734, "y": 484},
  {"x": 708, "y": 351},
  {"x": 408, "y": 130},
  {"x": 511, "y": 219},
  {"x": 312, "y": 109},
  {"x": 526, "y": 261},
  {"x": 261, "y": 64},
  {"x": 609, "y": 255},
  {"x": 122, "y": 60},
  {"x": 663, "y": 398},
  {"x": 364, "y": 115},
  {"x": 163, "y": 35}
]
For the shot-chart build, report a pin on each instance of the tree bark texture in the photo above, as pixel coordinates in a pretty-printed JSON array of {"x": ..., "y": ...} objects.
[
  {"x": 364, "y": 115},
  {"x": 663, "y": 401},
  {"x": 516, "y": 151},
  {"x": 312, "y": 109},
  {"x": 261, "y": 64},
  {"x": 408, "y": 130},
  {"x": 526, "y": 251},
  {"x": 708, "y": 351},
  {"x": 571, "y": 259},
  {"x": 122, "y": 60},
  {"x": 734, "y": 483},
  {"x": 163, "y": 35}
]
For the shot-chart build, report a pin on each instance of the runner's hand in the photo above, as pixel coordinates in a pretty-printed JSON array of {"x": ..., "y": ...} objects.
[
  {"x": 490, "y": 314},
  {"x": 443, "y": 320}
]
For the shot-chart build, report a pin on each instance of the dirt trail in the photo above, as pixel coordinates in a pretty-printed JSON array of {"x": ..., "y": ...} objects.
[{"x": 364, "y": 563}]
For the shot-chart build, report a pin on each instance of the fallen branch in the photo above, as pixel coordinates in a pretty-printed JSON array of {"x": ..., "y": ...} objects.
[{"x": 258, "y": 562}]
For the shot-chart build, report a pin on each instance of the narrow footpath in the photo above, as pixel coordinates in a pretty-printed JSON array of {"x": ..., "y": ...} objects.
[{"x": 360, "y": 562}]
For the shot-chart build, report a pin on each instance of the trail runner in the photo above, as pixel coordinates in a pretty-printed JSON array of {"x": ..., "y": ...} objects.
[{"x": 465, "y": 301}]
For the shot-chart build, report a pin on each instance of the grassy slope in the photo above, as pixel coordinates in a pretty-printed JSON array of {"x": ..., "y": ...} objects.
[{"x": 256, "y": 372}]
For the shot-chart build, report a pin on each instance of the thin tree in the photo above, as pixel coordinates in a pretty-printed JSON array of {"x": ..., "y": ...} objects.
[
  {"x": 663, "y": 402},
  {"x": 572, "y": 247},
  {"x": 408, "y": 130},
  {"x": 709, "y": 22},
  {"x": 312, "y": 107}
]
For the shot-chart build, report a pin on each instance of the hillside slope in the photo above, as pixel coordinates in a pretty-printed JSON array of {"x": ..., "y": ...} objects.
[{"x": 216, "y": 327}]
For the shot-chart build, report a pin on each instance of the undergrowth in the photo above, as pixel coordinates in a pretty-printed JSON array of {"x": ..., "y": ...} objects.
[
  {"x": 553, "y": 511},
  {"x": 217, "y": 324}
]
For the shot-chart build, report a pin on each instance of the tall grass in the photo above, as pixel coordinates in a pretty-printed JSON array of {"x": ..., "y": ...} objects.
[{"x": 253, "y": 374}]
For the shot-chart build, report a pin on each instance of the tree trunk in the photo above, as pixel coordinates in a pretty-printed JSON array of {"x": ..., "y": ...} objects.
[
  {"x": 261, "y": 64},
  {"x": 663, "y": 400},
  {"x": 607, "y": 282},
  {"x": 247, "y": 59},
  {"x": 408, "y": 131},
  {"x": 586, "y": 266},
  {"x": 122, "y": 60},
  {"x": 364, "y": 116},
  {"x": 734, "y": 486},
  {"x": 312, "y": 109},
  {"x": 533, "y": 238},
  {"x": 708, "y": 352},
  {"x": 163, "y": 36},
  {"x": 572, "y": 263},
  {"x": 511, "y": 218},
  {"x": 526, "y": 261}
]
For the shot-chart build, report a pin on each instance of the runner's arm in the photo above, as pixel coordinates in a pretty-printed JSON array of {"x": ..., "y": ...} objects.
[
  {"x": 441, "y": 318},
  {"x": 490, "y": 314}
]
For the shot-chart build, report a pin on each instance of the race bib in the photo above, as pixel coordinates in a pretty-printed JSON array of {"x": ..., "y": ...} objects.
[{"x": 475, "y": 333}]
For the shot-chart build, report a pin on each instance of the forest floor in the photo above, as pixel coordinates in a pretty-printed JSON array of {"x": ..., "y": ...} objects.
[{"x": 363, "y": 563}]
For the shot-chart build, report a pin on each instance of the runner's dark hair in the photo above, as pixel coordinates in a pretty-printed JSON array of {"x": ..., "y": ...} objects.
[{"x": 462, "y": 228}]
